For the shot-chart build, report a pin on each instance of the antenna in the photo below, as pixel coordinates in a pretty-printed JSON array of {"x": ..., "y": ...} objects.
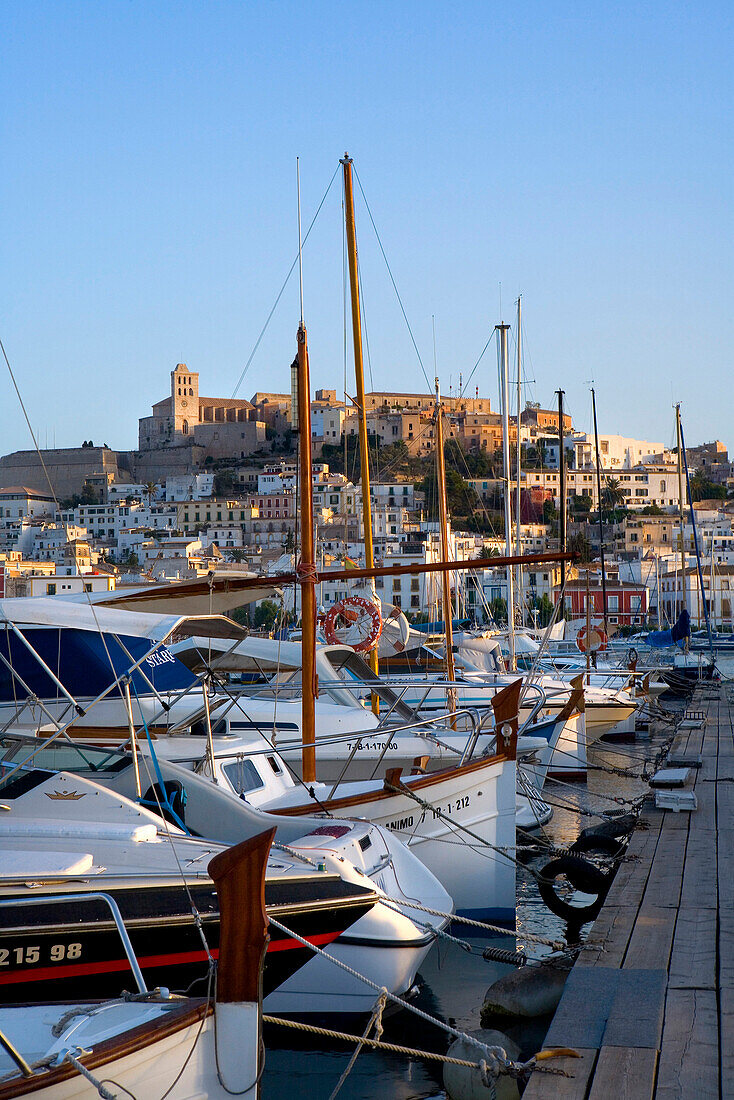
[{"x": 300, "y": 243}]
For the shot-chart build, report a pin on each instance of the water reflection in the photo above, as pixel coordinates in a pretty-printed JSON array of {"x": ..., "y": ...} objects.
[{"x": 454, "y": 980}]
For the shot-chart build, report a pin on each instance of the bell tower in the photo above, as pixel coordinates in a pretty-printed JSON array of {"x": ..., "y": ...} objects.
[{"x": 184, "y": 401}]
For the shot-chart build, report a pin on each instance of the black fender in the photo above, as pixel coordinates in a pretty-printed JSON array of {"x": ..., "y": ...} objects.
[{"x": 583, "y": 876}]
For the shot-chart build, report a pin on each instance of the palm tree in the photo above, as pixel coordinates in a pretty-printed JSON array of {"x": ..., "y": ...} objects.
[{"x": 612, "y": 494}]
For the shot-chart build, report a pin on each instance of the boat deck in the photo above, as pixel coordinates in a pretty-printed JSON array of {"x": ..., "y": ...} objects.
[{"x": 650, "y": 1010}]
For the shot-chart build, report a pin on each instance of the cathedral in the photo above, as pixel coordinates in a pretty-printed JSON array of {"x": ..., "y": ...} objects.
[{"x": 224, "y": 427}]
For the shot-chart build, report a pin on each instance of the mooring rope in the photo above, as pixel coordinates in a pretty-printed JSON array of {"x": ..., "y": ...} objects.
[{"x": 517, "y": 1070}]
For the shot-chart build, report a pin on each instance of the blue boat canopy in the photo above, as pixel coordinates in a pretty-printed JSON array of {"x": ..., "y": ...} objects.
[{"x": 663, "y": 639}]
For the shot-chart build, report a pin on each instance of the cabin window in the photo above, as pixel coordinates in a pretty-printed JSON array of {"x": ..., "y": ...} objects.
[
  {"x": 219, "y": 728},
  {"x": 275, "y": 765},
  {"x": 243, "y": 775}
]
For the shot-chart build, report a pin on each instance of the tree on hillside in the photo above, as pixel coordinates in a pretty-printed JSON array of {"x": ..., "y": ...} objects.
[
  {"x": 224, "y": 483},
  {"x": 544, "y": 608},
  {"x": 462, "y": 499},
  {"x": 582, "y": 504},
  {"x": 702, "y": 488},
  {"x": 498, "y": 609},
  {"x": 266, "y": 615},
  {"x": 612, "y": 494},
  {"x": 580, "y": 545}
]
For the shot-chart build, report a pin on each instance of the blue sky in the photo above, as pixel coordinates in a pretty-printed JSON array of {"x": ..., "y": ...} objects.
[{"x": 579, "y": 154}]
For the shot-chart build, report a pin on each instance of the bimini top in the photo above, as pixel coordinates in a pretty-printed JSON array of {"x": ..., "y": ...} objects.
[{"x": 252, "y": 654}]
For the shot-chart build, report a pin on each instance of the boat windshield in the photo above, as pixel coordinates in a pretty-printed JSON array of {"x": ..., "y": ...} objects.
[{"x": 59, "y": 756}]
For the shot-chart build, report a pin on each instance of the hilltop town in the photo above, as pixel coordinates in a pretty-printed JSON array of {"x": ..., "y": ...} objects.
[{"x": 213, "y": 487}]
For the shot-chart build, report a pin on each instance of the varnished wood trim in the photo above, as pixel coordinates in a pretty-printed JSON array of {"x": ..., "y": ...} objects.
[
  {"x": 422, "y": 784},
  {"x": 239, "y": 876},
  {"x": 110, "y": 1050}
]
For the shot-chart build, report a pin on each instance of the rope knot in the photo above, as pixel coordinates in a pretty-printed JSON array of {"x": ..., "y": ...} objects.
[
  {"x": 378, "y": 1011},
  {"x": 307, "y": 572}
]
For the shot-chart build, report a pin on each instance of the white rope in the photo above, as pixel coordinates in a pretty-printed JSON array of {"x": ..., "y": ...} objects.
[
  {"x": 514, "y": 1069},
  {"x": 496, "y": 1053},
  {"x": 495, "y": 928},
  {"x": 81, "y": 1068},
  {"x": 376, "y": 1019}
]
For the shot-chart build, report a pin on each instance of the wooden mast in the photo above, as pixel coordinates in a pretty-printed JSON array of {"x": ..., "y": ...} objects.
[
  {"x": 562, "y": 490},
  {"x": 306, "y": 568},
  {"x": 364, "y": 462},
  {"x": 684, "y": 594},
  {"x": 518, "y": 519},
  {"x": 502, "y": 358},
  {"x": 443, "y": 520},
  {"x": 601, "y": 516}
]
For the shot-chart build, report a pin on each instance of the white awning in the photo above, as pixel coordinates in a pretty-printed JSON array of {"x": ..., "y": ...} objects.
[{"x": 50, "y": 611}]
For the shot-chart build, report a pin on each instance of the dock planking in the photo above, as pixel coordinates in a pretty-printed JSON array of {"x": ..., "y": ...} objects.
[{"x": 668, "y": 923}]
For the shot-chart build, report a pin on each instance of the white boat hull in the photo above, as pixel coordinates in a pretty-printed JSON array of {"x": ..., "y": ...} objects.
[
  {"x": 149, "y": 1070},
  {"x": 476, "y": 805}
]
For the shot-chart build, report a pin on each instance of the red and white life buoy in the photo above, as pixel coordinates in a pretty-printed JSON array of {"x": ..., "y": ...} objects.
[
  {"x": 596, "y": 641},
  {"x": 353, "y": 621}
]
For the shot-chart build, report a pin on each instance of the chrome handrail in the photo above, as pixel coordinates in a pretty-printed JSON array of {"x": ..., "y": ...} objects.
[
  {"x": 543, "y": 698},
  {"x": 58, "y": 899}
]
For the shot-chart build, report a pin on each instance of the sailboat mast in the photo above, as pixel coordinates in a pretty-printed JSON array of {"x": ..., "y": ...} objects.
[
  {"x": 684, "y": 594},
  {"x": 443, "y": 520},
  {"x": 502, "y": 353},
  {"x": 306, "y": 567},
  {"x": 364, "y": 463},
  {"x": 562, "y": 491},
  {"x": 601, "y": 518},
  {"x": 518, "y": 533}
]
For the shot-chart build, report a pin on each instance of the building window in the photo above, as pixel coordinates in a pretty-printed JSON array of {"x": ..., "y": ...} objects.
[
  {"x": 396, "y": 584},
  {"x": 50, "y": 589}
]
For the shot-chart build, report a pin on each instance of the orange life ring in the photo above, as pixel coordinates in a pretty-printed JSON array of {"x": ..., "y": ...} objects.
[
  {"x": 351, "y": 610},
  {"x": 597, "y": 640}
]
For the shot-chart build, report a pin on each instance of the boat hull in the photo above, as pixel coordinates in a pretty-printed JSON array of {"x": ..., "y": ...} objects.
[
  {"x": 158, "y": 1045},
  {"x": 78, "y": 948},
  {"x": 454, "y": 821}
]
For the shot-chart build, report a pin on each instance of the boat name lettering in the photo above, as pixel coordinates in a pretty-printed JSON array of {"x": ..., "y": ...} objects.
[
  {"x": 453, "y": 807},
  {"x": 401, "y": 823},
  {"x": 160, "y": 657},
  {"x": 371, "y": 745},
  {"x": 32, "y": 954}
]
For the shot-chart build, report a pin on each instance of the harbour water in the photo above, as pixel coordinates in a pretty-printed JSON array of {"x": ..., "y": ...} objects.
[{"x": 453, "y": 980}]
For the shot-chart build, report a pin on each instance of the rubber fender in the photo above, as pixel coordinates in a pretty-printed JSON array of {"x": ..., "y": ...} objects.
[
  {"x": 614, "y": 826},
  {"x": 583, "y": 876},
  {"x": 598, "y": 845}
]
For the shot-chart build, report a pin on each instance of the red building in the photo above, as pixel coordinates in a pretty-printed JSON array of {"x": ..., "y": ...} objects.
[{"x": 626, "y": 601}]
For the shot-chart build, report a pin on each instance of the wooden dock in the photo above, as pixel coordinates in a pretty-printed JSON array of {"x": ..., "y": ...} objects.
[{"x": 651, "y": 1011}]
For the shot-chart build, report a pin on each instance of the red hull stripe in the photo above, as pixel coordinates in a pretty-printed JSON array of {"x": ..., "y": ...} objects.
[{"x": 73, "y": 970}]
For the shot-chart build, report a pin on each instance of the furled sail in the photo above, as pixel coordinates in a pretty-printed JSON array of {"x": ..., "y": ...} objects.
[{"x": 661, "y": 639}]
